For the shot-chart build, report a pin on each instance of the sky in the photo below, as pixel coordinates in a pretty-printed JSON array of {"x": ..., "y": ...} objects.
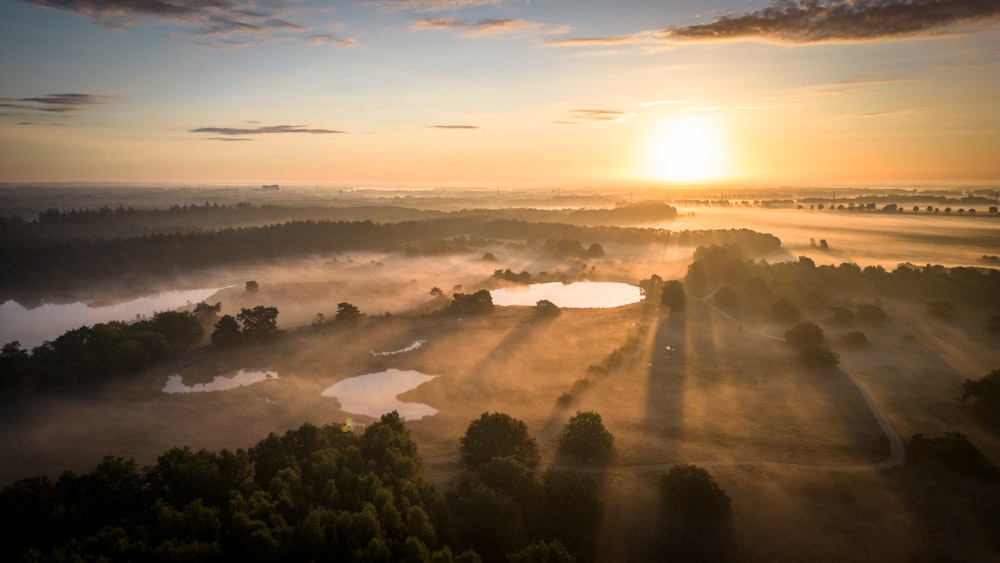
[{"x": 501, "y": 92}]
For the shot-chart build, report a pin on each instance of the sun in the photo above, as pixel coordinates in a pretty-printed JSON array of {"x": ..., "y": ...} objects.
[{"x": 686, "y": 149}]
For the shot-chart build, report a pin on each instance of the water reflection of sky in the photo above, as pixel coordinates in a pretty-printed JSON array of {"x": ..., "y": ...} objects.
[
  {"x": 582, "y": 295},
  {"x": 175, "y": 383},
  {"x": 375, "y": 394},
  {"x": 31, "y": 327}
]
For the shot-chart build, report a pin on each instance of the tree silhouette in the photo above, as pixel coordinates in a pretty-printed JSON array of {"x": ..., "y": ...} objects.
[
  {"x": 586, "y": 438},
  {"x": 498, "y": 435}
]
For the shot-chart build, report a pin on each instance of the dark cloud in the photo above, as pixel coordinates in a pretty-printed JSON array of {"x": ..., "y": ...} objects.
[
  {"x": 478, "y": 28},
  {"x": 214, "y": 19},
  {"x": 454, "y": 127},
  {"x": 264, "y": 130},
  {"x": 50, "y": 104},
  {"x": 814, "y": 21}
]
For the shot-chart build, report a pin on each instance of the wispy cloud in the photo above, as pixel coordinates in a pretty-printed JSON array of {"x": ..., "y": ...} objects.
[
  {"x": 484, "y": 27},
  {"x": 227, "y": 139},
  {"x": 819, "y": 21},
  {"x": 51, "y": 105},
  {"x": 328, "y": 39},
  {"x": 428, "y": 5},
  {"x": 265, "y": 130},
  {"x": 454, "y": 126},
  {"x": 815, "y": 21},
  {"x": 214, "y": 21},
  {"x": 578, "y": 116}
]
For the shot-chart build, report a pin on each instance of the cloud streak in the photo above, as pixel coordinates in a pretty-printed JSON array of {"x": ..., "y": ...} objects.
[
  {"x": 428, "y": 5},
  {"x": 798, "y": 22},
  {"x": 454, "y": 126},
  {"x": 482, "y": 27},
  {"x": 265, "y": 130},
  {"x": 579, "y": 116},
  {"x": 818, "y": 21},
  {"x": 209, "y": 19},
  {"x": 49, "y": 105}
]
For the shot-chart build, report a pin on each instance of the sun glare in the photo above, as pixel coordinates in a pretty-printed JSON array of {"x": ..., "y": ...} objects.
[{"x": 686, "y": 149}]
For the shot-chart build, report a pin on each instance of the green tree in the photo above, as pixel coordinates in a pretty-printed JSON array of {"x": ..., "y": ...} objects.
[
  {"x": 690, "y": 492},
  {"x": 259, "y": 323},
  {"x": 498, "y": 435},
  {"x": 227, "y": 331},
  {"x": 178, "y": 328},
  {"x": 586, "y": 438},
  {"x": 672, "y": 295},
  {"x": 984, "y": 396},
  {"x": 347, "y": 313},
  {"x": 477, "y": 303}
]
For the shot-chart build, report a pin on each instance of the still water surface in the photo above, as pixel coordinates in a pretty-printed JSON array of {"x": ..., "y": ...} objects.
[
  {"x": 31, "y": 327},
  {"x": 578, "y": 295},
  {"x": 375, "y": 394},
  {"x": 242, "y": 378}
]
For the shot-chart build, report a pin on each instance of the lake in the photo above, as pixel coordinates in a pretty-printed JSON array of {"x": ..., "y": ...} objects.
[
  {"x": 33, "y": 326},
  {"x": 578, "y": 295},
  {"x": 375, "y": 394}
]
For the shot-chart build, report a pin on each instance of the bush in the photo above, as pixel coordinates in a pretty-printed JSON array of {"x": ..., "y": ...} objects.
[
  {"x": 690, "y": 492},
  {"x": 854, "y": 339}
]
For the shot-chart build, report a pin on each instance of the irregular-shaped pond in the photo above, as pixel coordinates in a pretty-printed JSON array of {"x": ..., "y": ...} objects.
[
  {"x": 241, "y": 378},
  {"x": 577, "y": 295},
  {"x": 375, "y": 394},
  {"x": 33, "y": 326}
]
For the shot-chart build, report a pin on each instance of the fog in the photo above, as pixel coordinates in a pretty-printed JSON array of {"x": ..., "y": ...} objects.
[{"x": 798, "y": 449}]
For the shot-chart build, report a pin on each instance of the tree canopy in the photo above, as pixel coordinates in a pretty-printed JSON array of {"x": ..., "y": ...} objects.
[
  {"x": 495, "y": 435},
  {"x": 586, "y": 438},
  {"x": 690, "y": 492}
]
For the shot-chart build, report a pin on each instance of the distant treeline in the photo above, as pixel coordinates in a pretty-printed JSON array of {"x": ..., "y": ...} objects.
[
  {"x": 108, "y": 222},
  {"x": 32, "y": 262},
  {"x": 759, "y": 284}
]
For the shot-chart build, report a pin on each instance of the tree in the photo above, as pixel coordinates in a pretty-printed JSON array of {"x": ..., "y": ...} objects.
[
  {"x": 804, "y": 335},
  {"x": 672, "y": 295},
  {"x": 595, "y": 250},
  {"x": 205, "y": 311},
  {"x": 498, "y": 435},
  {"x": 690, "y": 492},
  {"x": 546, "y": 309},
  {"x": 950, "y": 453},
  {"x": 571, "y": 511},
  {"x": 252, "y": 286},
  {"x": 347, "y": 313},
  {"x": 854, "y": 339},
  {"x": 585, "y": 437},
  {"x": 477, "y": 303},
  {"x": 436, "y": 291},
  {"x": 871, "y": 313},
  {"x": 258, "y": 323},
  {"x": 984, "y": 394},
  {"x": 542, "y": 552},
  {"x": 819, "y": 356},
  {"x": 227, "y": 331},
  {"x": 178, "y": 328},
  {"x": 784, "y": 311}
]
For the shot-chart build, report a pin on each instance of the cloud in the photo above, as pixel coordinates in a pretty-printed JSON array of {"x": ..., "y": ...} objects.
[
  {"x": 228, "y": 139},
  {"x": 631, "y": 39},
  {"x": 212, "y": 19},
  {"x": 815, "y": 21},
  {"x": 481, "y": 28},
  {"x": 49, "y": 104},
  {"x": 595, "y": 116},
  {"x": 428, "y": 5},
  {"x": 265, "y": 130},
  {"x": 454, "y": 126},
  {"x": 328, "y": 39}
]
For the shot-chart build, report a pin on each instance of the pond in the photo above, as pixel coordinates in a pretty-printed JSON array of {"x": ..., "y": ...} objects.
[
  {"x": 33, "y": 326},
  {"x": 578, "y": 295},
  {"x": 242, "y": 378},
  {"x": 375, "y": 394}
]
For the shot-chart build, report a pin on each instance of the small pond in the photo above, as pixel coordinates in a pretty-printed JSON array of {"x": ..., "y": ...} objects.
[
  {"x": 33, "y": 326},
  {"x": 242, "y": 378},
  {"x": 578, "y": 295},
  {"x": 375, "y": 394}
]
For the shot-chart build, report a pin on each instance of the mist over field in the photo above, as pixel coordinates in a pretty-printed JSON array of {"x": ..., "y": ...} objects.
[{"x": 332, "y": 304}]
